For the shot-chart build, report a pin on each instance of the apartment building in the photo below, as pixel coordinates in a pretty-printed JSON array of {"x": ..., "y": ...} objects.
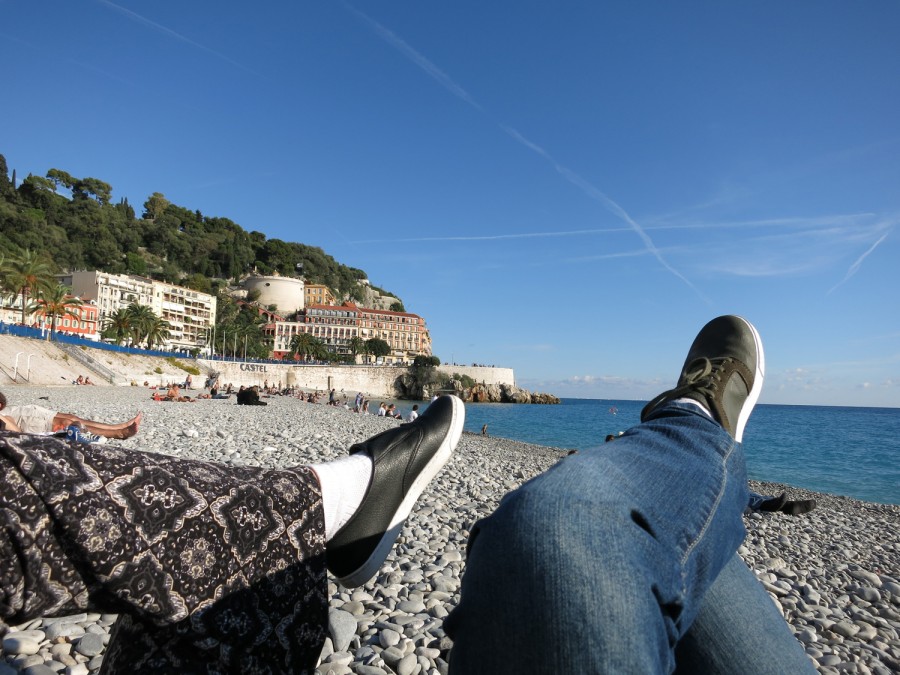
[
  {"x": 405, "y": 333},
  {"x": 336, "y": 325},
  {"x": 333, "y": 325},
  {"x": 318, "y": 294},
  {"x": 83, "y": 322},
  {"x": 191, "y": 314}
]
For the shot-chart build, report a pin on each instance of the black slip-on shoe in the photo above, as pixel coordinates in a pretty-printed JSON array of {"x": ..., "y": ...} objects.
[
  {"x": 405, "y": 461},
  {"x": 798, "y": 507},
  {"x": 775, "y": 503},
  {"x": 723, "y": 371}
]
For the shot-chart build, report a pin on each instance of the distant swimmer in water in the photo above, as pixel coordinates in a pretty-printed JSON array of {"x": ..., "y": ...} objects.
[
  {"x": 484, "y": 430},
  {"x": 613, "y": 411}
]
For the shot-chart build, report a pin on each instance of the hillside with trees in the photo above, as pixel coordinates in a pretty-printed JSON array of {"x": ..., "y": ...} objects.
[{"x": 79, "y": 226}]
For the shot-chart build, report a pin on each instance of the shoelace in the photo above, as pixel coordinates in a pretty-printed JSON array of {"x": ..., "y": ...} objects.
[{"x": 700, "y": 376}]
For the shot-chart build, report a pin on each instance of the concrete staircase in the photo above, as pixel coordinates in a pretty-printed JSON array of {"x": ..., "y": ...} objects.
[{"x": 85, "y": 359}]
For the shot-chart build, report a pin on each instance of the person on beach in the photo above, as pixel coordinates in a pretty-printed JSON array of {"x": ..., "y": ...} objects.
[
  {"x": 174, "y": 394},
  {"x": 413, "y": 414},
  {"x": 623, "y": 558},
  {"x": 603, "y": 564},
  {"x": 35, "y": 419},
  {"x": 211, "y": 568},
  {"x": 249, "y": 396}
]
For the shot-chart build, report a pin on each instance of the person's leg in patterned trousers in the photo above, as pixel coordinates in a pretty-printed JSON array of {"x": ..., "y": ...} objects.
[{"x": 210, "y": 568}]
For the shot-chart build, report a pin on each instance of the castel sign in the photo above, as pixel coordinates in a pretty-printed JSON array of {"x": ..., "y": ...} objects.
[{"x": 253, "y": 367}]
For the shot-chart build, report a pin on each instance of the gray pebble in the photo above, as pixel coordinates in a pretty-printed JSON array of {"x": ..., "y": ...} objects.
[
  {"x": 408, "y": 665},
  {"x": 57, "y": 630},
  {"x": 40, "y": 669},
  {"x": 389, "y": 637},
  {"x": 90, "y": 644},
  {"x": 370, "y": 670},
  {"x": 341, "y": 627},
  {"x": 16, "y": 643}
]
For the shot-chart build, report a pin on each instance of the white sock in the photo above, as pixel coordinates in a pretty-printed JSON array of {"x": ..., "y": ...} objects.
[
  {"x": 695, "y": 402},
  {"x": 344, "y": 483}
]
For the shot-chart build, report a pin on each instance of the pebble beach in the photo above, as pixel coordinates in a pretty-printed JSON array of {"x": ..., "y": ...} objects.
[{"x": 834, "y": 573}]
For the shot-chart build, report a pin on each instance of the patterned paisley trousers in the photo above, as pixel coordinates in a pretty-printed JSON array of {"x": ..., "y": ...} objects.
[{"x": 211, "y": 569}]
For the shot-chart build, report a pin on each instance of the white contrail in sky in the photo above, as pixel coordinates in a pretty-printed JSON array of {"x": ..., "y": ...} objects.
[
  {"x": 854, "y": 268},
  {"x": 430, "y": 69},
  {"x": 134, "y": 16},
  {"x": 445, "y": 81}
]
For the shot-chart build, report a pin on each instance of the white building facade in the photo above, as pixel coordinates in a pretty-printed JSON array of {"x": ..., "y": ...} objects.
[
  {"x": 191, "y": 314},
  {"x": 286, "y": 294}
]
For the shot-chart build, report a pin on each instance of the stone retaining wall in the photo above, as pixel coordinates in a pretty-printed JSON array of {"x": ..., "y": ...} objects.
[{"x": 377, "y": 381}]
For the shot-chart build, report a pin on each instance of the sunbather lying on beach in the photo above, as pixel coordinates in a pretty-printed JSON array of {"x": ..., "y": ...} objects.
[
  {"x": 35, "y": 419},
  {"x": 605, "y": 563},
  {"x": 174, "y": 394}
]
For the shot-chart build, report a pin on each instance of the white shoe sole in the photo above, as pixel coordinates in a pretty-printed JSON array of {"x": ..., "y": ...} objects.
[{"x": 755, "y": 391}]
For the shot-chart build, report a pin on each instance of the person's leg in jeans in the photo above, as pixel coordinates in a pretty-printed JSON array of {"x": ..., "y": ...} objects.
[
  {"x": 739, "y": 631},
  {"x": 602, "y": 563},
  {"x": 211, "y": 568}
]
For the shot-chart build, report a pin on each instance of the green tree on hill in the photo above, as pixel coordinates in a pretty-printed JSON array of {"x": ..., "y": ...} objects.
[
  {"x": 75, "y": 218},
  {"x": 155, "y": 206}
]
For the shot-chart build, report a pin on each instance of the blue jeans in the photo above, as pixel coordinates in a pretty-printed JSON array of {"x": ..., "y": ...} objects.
[{"x": 603, "y": 563}]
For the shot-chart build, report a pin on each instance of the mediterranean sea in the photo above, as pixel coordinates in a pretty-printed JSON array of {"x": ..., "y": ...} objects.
[{"x": 847, "y": 451}]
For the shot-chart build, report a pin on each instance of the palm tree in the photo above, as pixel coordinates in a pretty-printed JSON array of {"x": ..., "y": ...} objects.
[
  {"x": 248, "y": 328},
  {"x": 117, "y": 326},
  {"x": 358, "y": 346},
  {"x": 26, "y": 275},
  {"x": 140, "y": 318},
  {"x": 307, "y": 346},
  {"x": 56, "y": 302},
  {"x": 157, "y": 331}
]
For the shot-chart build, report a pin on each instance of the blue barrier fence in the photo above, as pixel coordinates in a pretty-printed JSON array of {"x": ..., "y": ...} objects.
[{"x": 38, "y": 334}]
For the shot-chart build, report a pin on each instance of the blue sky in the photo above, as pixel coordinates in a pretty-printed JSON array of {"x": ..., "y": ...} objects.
[{"x": 570, "y": 189}]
